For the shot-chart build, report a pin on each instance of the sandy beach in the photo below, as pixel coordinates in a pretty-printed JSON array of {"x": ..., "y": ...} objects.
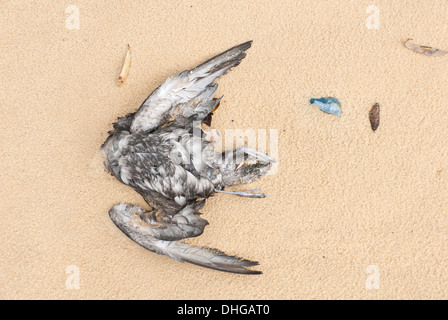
[{"x": 350, "y": 213}]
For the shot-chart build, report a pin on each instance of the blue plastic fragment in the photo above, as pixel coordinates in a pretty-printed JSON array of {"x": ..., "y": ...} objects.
[{"x": 328, "y": 105}]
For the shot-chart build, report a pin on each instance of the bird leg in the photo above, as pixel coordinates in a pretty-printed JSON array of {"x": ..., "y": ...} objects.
[{"x": 248, "y": 193}]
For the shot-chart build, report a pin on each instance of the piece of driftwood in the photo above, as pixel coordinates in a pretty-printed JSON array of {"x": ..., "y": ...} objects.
[{"x": 428, "y": 51}]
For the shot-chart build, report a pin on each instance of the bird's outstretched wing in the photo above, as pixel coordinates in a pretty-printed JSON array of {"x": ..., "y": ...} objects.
[
  {"x": 162, "y": 237},
  {"x": 187, "y": 93}
]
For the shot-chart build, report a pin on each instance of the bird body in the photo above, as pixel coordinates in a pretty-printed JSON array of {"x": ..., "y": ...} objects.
[{"x": 160, "y": 151}]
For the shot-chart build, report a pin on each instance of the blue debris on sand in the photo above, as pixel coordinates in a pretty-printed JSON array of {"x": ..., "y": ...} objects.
[{"x": 328, "y": 105}]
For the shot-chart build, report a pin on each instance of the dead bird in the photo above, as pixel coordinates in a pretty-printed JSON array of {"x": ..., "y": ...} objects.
[{"x": 160, "y": 151}]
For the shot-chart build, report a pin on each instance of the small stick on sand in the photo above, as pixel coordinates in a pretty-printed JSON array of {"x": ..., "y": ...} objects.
[{"x": 125, "y": 69}]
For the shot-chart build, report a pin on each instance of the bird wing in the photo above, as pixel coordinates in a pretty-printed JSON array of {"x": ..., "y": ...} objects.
[
  {"x": 141, "y": 227},
  {"x": 205, "y": 257},
  {"x": 188, "y": 92}
]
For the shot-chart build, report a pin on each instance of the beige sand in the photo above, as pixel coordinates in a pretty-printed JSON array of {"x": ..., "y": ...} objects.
[{"x": 344, "y": 198}]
